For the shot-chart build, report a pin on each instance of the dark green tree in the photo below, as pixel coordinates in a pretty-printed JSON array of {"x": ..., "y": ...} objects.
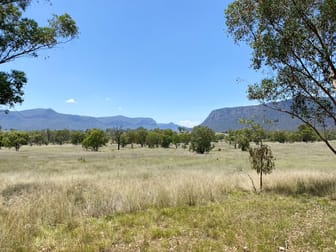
[
  {"x": 141, "y": 134},
  {"x": 1, "y": 138},
  {"x": 131, "y": 137},
  {"x": 15, "y": 139},
  {"x": 166, "y": 138},
  {"x": 296, "y": 41},
  {"x": 95, "y": 138},
  {"x": 37, "y": 138},
  {"x": 279, "y": 136},
  {"x": 185, "y": 138},
  {"x": 153, "y": 139},
  {"x": 307, "y": 133},
  {"x": 201, "y": 138},
  {"x": 243, "y": 139},
  {"x": 124, "y": 139},
  {"x": 21, "y": 36},
  {"x": 77, "y": 137},
  {"x": 176, "y": 139},
  {"x": 62, "y": 136}
]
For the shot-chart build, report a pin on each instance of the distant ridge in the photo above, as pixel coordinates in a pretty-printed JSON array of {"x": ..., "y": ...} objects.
[
  {"x": 221, "y": 120},
  {"x": 38, "y": 119}
]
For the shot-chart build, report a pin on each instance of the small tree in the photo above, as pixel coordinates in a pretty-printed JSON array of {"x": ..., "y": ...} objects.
[
  {"x": 201, "y": 138},
  {"x": 262, "y": 160},
  {"x": 95, "y": 139}
]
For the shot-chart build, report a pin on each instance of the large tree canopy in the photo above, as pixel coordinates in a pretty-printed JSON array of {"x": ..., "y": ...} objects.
[
  {"x": 21, "y": 36},
  {"x": 295, "y": 41}
]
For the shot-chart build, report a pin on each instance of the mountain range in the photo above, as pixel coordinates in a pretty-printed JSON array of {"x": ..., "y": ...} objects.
[
  {"x": 221, "y": 120},
  {"x": 38, "y": 119}
]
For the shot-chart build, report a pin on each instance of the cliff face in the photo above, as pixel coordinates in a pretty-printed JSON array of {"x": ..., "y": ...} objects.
[{"x": 225, "y": 119}]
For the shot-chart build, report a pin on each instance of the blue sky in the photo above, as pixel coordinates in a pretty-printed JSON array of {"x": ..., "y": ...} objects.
[{"x": 166, "y": 59}]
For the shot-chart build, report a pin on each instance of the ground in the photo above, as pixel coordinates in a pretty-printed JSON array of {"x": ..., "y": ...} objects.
[{"x": 62, "y": 198}]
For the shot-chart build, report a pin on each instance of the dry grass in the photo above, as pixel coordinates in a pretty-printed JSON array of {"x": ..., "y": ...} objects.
[{"x": 50, "y": 194}]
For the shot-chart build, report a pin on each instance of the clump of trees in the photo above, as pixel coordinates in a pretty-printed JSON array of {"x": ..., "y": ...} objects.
[
  {"x": 242, "y": 138},
  {"x": 95, "y": 138}
]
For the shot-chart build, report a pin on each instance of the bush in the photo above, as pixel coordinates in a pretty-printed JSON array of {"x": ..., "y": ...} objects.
[
  {"x": 94, "y": 139},
  {"x": 201, "y": 138}
]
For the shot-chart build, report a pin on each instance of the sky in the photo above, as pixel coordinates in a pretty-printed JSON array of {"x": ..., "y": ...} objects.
[{"x": 170, "y": 60}]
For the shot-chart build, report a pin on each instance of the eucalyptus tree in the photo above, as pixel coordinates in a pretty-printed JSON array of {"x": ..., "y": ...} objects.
[
  {"x": 21, "y": 36},
  {"x": 295, "y": 42}
]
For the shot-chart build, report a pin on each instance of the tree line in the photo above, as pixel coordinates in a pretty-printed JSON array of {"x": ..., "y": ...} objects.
[
  {"x": 242, "y": 138},
  {"x": 93, "y": 139},
  {"x": 200, "y": 139}
]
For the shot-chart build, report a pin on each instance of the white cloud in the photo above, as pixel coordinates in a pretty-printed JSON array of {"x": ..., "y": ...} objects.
[
  {"x": 71, "y": 101},
  {"x": 120, "y": 108},
  {"x": 188, "y": 123}
]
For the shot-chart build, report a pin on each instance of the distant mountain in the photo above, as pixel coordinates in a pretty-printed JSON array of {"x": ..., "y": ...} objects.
[
  {"x": 224, "y": 119},
  {"x": 38, "y": 119}
]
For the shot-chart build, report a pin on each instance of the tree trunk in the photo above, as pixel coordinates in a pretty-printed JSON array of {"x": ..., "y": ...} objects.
[{"x": 261, "y": 181}]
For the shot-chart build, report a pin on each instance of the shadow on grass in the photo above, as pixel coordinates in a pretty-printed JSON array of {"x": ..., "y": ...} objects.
[{"x": 312, "y": 186}]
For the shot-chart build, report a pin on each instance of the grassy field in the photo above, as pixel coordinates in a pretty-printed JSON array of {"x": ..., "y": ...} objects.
[{"x": 61, "y": 198}]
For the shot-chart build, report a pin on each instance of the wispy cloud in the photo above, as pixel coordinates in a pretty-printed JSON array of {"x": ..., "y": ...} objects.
[
  {"x": 188, "y": 123},
  {"x": 71, "y": 101}
]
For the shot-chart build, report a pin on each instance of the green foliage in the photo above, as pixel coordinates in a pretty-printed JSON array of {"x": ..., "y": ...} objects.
[
  {"x": 11, "y": 86},
  {"x": 62, "y": 136},
  {"x": 77, "y": 137},
  {"x": 297, "y": 41},
  {"x": 280, "y": 136},
  {"x": 201, "y": 138},
  {"x": 243, "y": 139},
  {"x": 307, "y": 133},
  {"x": 255, "y": 132},
  {"x": 124, "y": 139},
  {"x": 95, "y": 138},
  {"x": 141, "y": 135},
  {"x": 15, "y": 139},
  {"x": 219, "y": 137},
  {"x": 22, "y": 36},
  {"x": 166, "y": 138},
  {"x": 153, "y": 139},
  {"x": 37, "y": 138},
  {"x": 262, "y": 160}
]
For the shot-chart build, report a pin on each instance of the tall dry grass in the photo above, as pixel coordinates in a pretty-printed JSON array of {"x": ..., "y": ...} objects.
[{"x": 60, "y": 185}]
